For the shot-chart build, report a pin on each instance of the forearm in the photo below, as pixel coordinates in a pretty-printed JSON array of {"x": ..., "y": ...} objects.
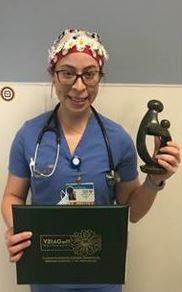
[
  {"x": 16, "y": 191},
  {"x": 7, "y": 203},
  {"x": 142, "y": 199},
  {"x": 16, "y": 243}
]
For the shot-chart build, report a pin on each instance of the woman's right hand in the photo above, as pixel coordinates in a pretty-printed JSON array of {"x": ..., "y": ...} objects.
[{"x": 16, "y": 243}]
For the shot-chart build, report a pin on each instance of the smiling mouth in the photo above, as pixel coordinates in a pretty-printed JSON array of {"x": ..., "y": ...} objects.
[{"x": 78, "y": 99}]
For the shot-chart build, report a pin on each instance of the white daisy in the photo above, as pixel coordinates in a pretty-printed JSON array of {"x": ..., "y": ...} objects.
[{"x": 81, "y": 43}]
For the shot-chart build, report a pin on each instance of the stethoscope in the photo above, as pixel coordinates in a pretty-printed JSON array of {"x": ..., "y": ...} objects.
[{"x": 112, "y": 176}]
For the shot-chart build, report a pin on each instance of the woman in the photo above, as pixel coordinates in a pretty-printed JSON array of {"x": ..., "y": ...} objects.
[{"x": 76, "y": 61}]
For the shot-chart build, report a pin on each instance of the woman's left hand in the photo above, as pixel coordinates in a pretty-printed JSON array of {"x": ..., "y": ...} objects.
[{"x": 169, "y": 158}]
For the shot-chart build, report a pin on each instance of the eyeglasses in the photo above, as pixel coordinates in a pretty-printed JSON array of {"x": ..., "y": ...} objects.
[{"x": 69, "y": 77}]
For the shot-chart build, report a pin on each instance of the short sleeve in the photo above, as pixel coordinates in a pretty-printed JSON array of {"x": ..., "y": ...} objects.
[
  {"x": 128, "y": 165},
  {"x": 18, "y": 164}
]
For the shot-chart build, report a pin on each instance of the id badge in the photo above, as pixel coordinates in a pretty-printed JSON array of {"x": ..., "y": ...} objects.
[{"x": 78, "y": 194}]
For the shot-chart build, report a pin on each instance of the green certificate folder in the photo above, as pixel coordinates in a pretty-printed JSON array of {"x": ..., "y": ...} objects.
[{"x": 72, "y": 244}]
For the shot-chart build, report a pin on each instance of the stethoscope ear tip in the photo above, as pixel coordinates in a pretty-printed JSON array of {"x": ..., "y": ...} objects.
[
  {"x": 32, "y": 166},
  {"x": 32, "y": 163}
]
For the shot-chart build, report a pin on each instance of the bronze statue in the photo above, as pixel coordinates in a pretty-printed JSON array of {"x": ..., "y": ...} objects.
[{"x": 150, "y": 126}]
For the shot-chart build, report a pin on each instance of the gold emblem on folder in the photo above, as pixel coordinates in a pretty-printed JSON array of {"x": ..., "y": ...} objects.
[
  {"x": 85, "y": 243},
  {"x": 80, "y": 246}
]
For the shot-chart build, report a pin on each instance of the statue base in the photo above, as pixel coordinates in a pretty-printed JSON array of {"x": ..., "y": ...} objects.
[{"x": 152, "y": 169}]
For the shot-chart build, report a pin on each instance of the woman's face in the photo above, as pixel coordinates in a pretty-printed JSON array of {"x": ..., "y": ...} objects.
[{"x": 74, "y": 92}]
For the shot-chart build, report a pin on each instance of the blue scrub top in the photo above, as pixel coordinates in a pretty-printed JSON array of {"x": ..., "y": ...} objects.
[{"x": 94, "y": 166}]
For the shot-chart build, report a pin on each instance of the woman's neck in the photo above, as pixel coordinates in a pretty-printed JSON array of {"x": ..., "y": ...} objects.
[{"x": 73, "y": 122}]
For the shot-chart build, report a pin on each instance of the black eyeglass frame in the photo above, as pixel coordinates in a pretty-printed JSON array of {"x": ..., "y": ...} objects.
[{"x": 101, "y": 74}]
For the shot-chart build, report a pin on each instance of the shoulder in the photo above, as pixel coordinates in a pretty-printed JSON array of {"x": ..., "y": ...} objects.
[
  {"x": 30, "y": 130},
  {"x": 122, "y": 149},
  {"x": 114, "y": 128},
  {"x": 37, "y": 121},
  {"x": 34, "y": 125},
  {"x": 119, "y": 138},
  {"x": 24, "y": 144}
]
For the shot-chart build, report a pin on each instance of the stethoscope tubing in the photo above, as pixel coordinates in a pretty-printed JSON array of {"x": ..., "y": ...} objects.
[
  {"x": 38, "y": 173},
  {"x": 56, "y": 130}
]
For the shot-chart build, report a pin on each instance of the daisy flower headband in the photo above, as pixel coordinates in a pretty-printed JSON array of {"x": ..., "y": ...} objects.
[{"x": 74, "y": 40}]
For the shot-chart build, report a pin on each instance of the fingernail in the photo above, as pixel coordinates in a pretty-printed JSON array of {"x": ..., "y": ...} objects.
[{"x": 28, "y": 242}]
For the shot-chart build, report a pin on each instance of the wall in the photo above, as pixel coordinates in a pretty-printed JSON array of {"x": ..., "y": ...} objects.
[
  {"x": 143, "y": 37},
  {"x": 154, "y": 250}
]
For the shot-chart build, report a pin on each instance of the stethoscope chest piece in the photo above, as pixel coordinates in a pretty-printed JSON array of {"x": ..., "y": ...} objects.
[{"x": 75, "y": 161}]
